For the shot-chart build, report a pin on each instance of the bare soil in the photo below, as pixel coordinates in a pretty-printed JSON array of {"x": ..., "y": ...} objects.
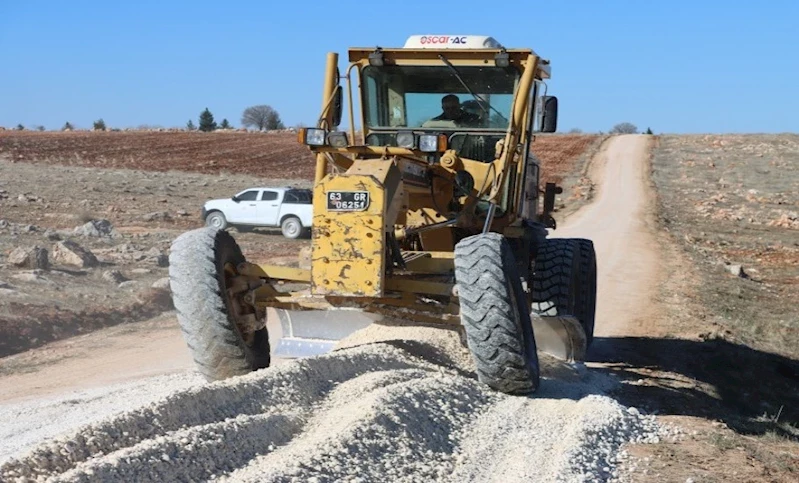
[{"x": 722, "y": 358}]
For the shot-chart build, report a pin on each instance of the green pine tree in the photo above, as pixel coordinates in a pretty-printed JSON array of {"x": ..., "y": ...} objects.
[
  {"x": 190, "y": 125},
  {"x": 649, "y": 131},
  {"x": 224, "y": 124},
  {"x": 207, "y": 123}
]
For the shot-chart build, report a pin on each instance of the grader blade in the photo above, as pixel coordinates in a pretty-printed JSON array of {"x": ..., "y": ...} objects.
[
  {"x": 560, "y": 336},
  {"x": 303, "y": 333}
]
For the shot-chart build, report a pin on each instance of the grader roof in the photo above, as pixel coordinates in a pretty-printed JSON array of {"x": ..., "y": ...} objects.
[{"x": 460, "y": 49}]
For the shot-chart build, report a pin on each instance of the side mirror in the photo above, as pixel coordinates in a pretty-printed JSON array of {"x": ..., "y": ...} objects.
[
  {"x": 235, "y": 198},
  {"x": 549, "y": 122},
  {"x": 337, "y": 106}
]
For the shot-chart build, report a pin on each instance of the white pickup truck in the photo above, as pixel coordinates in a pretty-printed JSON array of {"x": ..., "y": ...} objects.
[{"x": 289, "y": 208}]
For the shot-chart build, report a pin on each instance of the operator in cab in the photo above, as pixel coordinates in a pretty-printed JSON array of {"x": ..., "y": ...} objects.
[{"x": 451, "y": 105}]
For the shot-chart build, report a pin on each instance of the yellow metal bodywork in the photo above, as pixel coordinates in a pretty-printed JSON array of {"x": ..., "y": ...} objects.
[
  {"x": 351, "y": 251},
  {"x": 349, "y": 244}
]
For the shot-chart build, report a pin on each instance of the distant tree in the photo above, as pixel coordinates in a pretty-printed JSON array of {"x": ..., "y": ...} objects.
[
  {"x": 575, "y": 130},
  {"x": 99, "y": 125},
  {"x": 20, "y": 127},
  {"x": 190, "y": 126},
  {"x": 224, "y": 124},
  {"x": 67, "y": 127},
  {"x": 261, "y": 117},
  {"x": 40, "y": 128},
  {"x": 624, "y": 128},
  {"x": 207, "y": 123},
  {"x": 649, "y": 131}
]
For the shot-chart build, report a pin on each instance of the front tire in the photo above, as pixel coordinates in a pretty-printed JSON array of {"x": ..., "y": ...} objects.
[
  {"x": 495, "y": 314},
  {"x": 202, "y": 263}
]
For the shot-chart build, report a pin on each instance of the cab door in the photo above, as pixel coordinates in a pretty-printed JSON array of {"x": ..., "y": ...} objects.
[{"x": 245, "y": 208}]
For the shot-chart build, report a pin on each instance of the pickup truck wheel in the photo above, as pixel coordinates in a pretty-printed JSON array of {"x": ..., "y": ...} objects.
[
  {"x": 216, "y": 220},
  {"x": 291, "y": 227}
]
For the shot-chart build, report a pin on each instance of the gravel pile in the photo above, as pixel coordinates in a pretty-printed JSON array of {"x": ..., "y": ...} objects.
[{"x": 390, "y": 410}]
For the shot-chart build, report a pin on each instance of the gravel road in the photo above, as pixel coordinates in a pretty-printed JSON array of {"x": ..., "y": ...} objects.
[{"x": 393, "y": 403}]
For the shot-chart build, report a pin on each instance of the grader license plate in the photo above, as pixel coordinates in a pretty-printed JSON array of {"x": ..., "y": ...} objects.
[{"x": 347, "y": 200}]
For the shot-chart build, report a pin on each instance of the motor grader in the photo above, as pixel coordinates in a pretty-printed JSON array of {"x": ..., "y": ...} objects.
[{"x": 430, "y": 213}]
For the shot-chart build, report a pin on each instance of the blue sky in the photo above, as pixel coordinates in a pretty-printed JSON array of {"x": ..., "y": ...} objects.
[{"x": 676, "y": 66}]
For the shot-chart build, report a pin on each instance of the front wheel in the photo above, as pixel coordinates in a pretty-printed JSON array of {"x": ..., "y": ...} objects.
[
  {"x": 291, "y": 227},
  {"x": 220, "y": 329},
  {"x": 495, "y": 314}
]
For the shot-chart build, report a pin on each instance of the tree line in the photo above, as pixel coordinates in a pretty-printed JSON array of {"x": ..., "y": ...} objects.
[{"x": 262, "y": 117}]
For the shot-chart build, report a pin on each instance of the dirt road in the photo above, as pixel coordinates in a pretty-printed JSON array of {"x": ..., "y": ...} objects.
[
  {"x": 618, "y": 221},
  {"x": 407, "y": 408}
]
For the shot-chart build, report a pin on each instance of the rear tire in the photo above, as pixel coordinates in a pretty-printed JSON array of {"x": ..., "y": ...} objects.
[
  {"x": 562, "y": 285},
  {"x": 588, "y": 287},
  {"x": 200, "y": 263},
  {"x": 495, "y": 314},
  {"x": 216, "y": 220},
  {"x": 291, "y": 227}
]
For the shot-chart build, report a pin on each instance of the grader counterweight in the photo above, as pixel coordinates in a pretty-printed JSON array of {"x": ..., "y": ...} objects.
[{"x": 432, "y": 214}]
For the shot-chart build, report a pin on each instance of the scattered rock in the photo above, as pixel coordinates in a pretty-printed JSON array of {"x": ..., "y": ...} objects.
[
  {"x": 161, "y": 283},
  {"x": 128, "y": 284},
  {"x": 33, "y": 257},
  {"x": 32, "y": 276},
  {"x": 141, "y": 271},
  {"x": 115, "y": 276},
  {"x": 152, "y": 252},
  {"x": 786, "y": 220},
  {"x": 52, "y": 235},
  {"x": 160, "y": 260},
  {"x": 70, "y": 253},
  {"x": 5, "y": 285},
  {"x": 3, "y": 224},
  {"x": 97, "y": 228},
  {"x": 737, "y": 270},
  {"x": 157, "y": 216}
]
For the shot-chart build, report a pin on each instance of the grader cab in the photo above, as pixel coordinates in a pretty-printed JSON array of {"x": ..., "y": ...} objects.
[{"x": 430, "y": 213}]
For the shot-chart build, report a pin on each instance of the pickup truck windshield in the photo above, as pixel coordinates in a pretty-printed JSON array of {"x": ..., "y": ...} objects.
[{"x": 433, "y": 97}]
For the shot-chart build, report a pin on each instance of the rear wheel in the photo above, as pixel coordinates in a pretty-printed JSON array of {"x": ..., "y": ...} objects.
[
  {"x": 217, "y": 220},
  {"x": 291, "y": 227},
  {"x": 564, "y": 281},
  {"x": 556, "y": 278},
  {"x": 495, "y": 314},
  {"x": 587, "y": 292},
  {"x": 219, "y": 328}
]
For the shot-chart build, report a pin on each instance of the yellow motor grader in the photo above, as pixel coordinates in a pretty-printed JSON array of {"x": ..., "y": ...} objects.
[{"x": 431, "y": 213}]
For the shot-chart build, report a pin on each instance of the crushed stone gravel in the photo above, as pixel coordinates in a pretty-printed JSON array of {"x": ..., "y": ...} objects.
[{"x": 394, "y": 403}]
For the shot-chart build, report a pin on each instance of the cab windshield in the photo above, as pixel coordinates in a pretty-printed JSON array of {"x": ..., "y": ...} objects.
[{"x": 432, "y": 97}]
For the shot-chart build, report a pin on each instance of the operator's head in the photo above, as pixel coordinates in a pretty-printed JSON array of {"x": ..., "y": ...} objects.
[{"x": 451, "y": 105}]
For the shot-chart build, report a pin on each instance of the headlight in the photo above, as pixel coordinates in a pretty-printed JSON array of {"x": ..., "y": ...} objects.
[
  {"x": 428, "y": 143},
  {"x": 315, "y": 137},
  {"x": 406, "y": 140},
  {"x": 337, "y": 139}
]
